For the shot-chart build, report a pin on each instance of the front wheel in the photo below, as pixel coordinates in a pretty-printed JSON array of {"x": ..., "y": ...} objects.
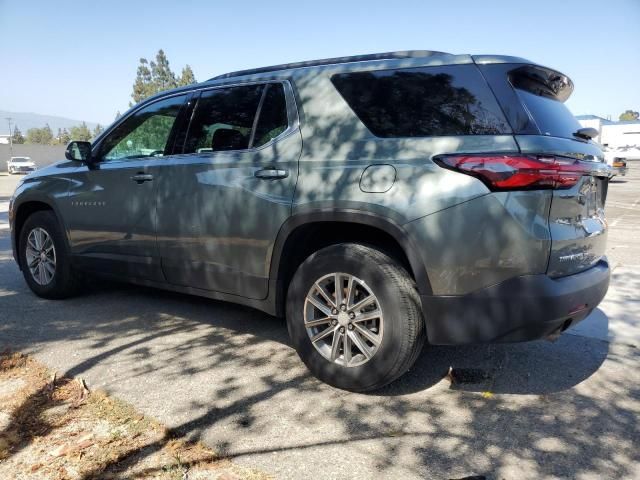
[
  {"x": 354, "y": 317},
  {"x": 44, "y": 258}
]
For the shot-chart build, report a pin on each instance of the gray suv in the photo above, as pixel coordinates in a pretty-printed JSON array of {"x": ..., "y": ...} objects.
[{"x": 376, "y": 201}]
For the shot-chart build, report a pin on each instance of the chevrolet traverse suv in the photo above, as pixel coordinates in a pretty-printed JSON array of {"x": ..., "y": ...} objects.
[{"x": 376, "y": 201}]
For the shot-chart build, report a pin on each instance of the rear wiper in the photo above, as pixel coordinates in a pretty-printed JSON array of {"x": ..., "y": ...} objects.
[{"x": 586, "y": 133}]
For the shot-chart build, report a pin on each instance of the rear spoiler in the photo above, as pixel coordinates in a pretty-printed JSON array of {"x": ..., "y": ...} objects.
[
  {"x": 542, "y": 81},
  {"x": 531, "y": 76}
]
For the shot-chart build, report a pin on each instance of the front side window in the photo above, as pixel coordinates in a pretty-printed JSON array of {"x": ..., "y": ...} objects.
[
  {"x": 422, "y": 102},
  {"x": 237, "y": 118},
  {"x": 144, "y": 133}
]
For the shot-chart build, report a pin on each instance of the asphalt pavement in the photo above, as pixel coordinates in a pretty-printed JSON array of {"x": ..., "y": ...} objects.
[{"x": 228, "y": 376}]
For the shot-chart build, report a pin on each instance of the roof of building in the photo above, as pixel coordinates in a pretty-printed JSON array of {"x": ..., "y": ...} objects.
[
  {"x": 627, "y": 122},
  {"x": 608, "y": 122},
  {"x": 590, "y": 117}
]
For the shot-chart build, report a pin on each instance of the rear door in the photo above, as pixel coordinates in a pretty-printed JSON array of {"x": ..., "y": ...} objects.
[
  {"x": 222, "y": 201},
  {"x": 533, "y": 99}
]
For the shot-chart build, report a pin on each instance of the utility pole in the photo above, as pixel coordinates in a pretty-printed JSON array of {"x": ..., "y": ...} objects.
[{"x": 10, "y": 138}]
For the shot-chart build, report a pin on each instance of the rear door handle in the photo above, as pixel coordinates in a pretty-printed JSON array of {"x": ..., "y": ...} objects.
[
  {"x": 271, "y": 173},
  {"x": 140, "y": 178}
]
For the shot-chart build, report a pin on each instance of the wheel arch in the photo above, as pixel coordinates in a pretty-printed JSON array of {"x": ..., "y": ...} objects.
[
  {"x": 305, "y": 233},
  {"x": 23, "y": 211}
]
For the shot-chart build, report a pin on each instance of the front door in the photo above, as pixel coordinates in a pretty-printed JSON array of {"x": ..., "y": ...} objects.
[
  {"x": 111, "y": 208},
  {"x": 222, "y": 202}
]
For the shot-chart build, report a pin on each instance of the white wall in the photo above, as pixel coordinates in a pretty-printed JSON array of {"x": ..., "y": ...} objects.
[
  {"x": 615, "y": 134},
  {"x": 620, "y": 135}
]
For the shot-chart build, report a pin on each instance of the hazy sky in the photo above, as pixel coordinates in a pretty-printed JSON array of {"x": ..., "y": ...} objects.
[{"x": 79, "y": 59}]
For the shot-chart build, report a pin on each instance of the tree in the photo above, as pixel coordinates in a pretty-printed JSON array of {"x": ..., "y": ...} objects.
[
  {"x": 65, "y": 137},
  {"x": 17, "y": 137},
  {"x": 162, "y": 76},
  {"x": 118, "y": 115},
  {"x": 629, "y": 115},
  {"x": 34, "y": 135},
  {"x": 81, "y": 133},
  {"x": 98, "y": 130},
  {"x": 42, "y": 136},
  {"x": 143, "y": 86},
  {"x": 157, "y": 76},
  {"x": 187, "y": 77},
  {"x": 47, "y": 135}
]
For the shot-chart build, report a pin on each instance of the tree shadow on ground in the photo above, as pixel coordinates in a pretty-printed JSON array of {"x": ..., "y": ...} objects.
[{"x": 258, "y": 400}]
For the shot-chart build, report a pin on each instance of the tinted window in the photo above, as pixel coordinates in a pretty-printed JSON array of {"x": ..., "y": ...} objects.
[
  {"x": 225, "y": 118},
  {"x": 421, "y": 102},
  {"x": 273, "y": 115},
  {"x": 144, "y": 133},
  {"x": 551, "y": 116},
  {"x": 542, "y": 92}
]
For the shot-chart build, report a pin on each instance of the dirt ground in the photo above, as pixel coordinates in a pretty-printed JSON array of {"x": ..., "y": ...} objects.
[{"x": 56, "y": 428}]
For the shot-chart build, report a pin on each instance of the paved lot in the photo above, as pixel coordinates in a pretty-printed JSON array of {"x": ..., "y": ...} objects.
[{"x": 227, "y": 375}]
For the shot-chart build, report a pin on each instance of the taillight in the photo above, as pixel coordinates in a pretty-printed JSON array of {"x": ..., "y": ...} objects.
[{"x": 517, "y": 172}]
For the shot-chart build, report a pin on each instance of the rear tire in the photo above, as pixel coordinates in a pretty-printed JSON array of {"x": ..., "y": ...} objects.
[
  {"x": 44, "y": 257},
  {"x": 365, "y": 347}
]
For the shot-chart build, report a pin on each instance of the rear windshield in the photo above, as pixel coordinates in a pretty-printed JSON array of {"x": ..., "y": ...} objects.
[
  {"x": 421, "y": 102},
  {"x": 543, "y": 92}
]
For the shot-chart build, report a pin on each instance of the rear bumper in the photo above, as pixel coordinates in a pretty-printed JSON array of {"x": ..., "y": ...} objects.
[{"x": 517, "y": 310}]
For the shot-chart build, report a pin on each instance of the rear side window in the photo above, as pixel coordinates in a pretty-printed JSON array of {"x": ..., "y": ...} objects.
[
  {"x": 223, "y": 119},
  {"x": 422, "y": 102},
  {"x": 237, "y": 118},
  {"x": 542, "y": 92},
  {"x": 273, "y": 115}
]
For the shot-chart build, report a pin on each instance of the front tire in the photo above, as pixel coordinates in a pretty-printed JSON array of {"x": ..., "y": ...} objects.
[
  {"x": 44, "y": 257},
  {"x": 354, "y": 317}
]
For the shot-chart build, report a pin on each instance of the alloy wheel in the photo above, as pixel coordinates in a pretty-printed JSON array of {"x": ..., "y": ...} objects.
[
  {"x": 343, "y": 319},
  {"x": 41, "y": 256}
]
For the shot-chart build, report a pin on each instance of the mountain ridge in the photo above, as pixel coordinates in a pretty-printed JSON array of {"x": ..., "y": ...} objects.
[{"x": 27, "y": 120}]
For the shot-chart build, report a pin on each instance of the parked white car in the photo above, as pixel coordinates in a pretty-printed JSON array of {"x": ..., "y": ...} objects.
[{"x": 20, "y": 165}]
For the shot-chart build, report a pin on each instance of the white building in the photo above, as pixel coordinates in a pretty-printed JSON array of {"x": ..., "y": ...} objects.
[
  {"x": 613, "y": 134},
  {"x": 4, "y": 140}
]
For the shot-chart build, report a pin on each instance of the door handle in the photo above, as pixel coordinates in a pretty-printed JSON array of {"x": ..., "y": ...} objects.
[
  {"x": 140, "y": 178},
  {"x": 271, "y": 173}
]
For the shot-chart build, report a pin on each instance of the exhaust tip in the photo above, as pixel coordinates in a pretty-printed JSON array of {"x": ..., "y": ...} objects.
[{"x": 553, "y": 336}]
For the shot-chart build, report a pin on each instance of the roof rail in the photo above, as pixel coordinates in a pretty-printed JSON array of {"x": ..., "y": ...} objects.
[{"x": 330, "y": 61}]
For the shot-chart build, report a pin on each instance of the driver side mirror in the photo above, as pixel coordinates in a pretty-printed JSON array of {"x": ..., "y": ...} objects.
[{"x": 79, "y": 151}]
